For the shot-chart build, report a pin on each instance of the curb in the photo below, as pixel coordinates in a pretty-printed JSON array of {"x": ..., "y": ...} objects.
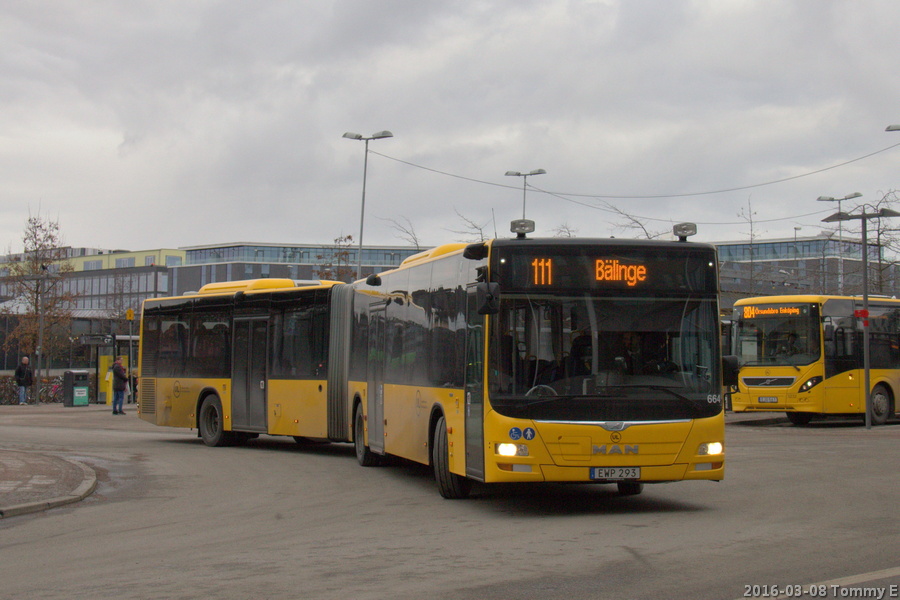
[{"x": 83, "y": 490}]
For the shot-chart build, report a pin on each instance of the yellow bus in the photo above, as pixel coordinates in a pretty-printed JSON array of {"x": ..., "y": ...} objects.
[
  {"x": 539, "y": 360},
  {"x": 803, "y": 356},
  {"x": 520, "y": 360},
  {"x": 238, "y": 359}
]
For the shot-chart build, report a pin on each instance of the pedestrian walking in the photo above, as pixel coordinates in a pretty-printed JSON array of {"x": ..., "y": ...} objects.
[
  {"x": 120, "y": 382},
  {"x": 24, "y": 379}
]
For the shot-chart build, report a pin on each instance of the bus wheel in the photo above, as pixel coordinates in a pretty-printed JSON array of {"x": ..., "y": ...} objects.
[
  {"x": 212, "y": 423},
  {"x": 799, "y": 418},
  {"x": 364, "y": 456},
  {"x": 450, "y": 485},
  {"x": 630, "y": 488},
  {"x": 881, "y": 405}
]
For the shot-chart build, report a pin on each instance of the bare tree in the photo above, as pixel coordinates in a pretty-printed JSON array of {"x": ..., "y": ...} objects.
[
  {"x": 34, "y": 279},
  {"x": 888, "y": 242},
  {"x": 564, "y": 231},
  {"x": 472, "y": 231},
  {"x": 630, "y": 222},
  {"x": 748, "y": 217},
  {"x": 335, "y": 265},
  {"x": 405, "y": 231}
]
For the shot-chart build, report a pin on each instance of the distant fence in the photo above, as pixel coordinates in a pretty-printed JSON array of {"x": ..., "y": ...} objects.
[{"x": 51, "y": 389}]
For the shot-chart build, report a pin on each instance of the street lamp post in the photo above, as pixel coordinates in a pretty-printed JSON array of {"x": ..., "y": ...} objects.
[
  {"x": 525, "y": 177},
  {"x": 864, "y": 218},
  {"x": 840, "y": 236},
  {"x": 362, "y": 212},
  {"x": 796, "y": 251}
]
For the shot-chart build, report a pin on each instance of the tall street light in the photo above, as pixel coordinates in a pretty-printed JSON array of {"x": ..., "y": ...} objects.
[
  {"x": 840, "y": 236},
  {"x": 362, "y": 213},
  {"x": 864, "y": 218},
  {"x": 525, "y": 177}
]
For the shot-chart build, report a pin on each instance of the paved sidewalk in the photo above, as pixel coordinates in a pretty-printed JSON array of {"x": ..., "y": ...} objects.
[{"x": 32, "y": 482}]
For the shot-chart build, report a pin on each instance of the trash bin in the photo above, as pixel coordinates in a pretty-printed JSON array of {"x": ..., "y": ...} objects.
[{"x": 75, "y": 388}]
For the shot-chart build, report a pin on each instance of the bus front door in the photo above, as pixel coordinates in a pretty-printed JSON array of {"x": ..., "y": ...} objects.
[
  {"x": 474, "y": 388},
  {"x": 377, "y": 358},
  {"x": 248, "y": 379}
]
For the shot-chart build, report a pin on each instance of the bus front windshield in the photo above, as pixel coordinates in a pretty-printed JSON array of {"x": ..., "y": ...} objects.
[
  {"x": 589, "y": 358},
  {"x": 776, "y": 334}
]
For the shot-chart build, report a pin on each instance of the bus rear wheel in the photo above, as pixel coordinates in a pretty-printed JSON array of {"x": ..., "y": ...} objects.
[
  {"x": 364, "y": 456},
  {"x": 450, "y": 485},
  {"x": 882, "y": 405},
  {"x": 799, "y": 418},
  {"x": 212, "y": 423}
]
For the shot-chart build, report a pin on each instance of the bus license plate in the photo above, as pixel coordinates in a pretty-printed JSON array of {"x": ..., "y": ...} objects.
[
  {"x": 767, "y": 400},
  {"x": 615, "y": 473}
]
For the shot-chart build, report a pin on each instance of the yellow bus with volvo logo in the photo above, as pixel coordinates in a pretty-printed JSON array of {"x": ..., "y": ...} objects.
[
  {"x": 540, "y": 360},
  {"x": 520, "y": 360},
  {"x": 803, "y": 356}
]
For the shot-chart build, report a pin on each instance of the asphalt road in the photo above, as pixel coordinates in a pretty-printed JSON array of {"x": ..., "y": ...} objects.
[{"x": 171, "y": 518}]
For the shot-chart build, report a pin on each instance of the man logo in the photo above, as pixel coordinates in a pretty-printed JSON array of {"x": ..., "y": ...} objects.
[{"x": 616, "y": 449}]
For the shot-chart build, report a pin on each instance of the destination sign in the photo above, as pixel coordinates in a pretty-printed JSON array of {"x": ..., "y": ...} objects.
[
  {"x": 625, "y": 269},
  {"x": 752, "y": 311}
]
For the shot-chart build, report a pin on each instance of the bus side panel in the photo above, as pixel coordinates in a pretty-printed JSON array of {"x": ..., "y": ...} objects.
[
  {"x": 407, "y": 412},
  {"x": 406, "y": 417},
  {"x": 843, "y": 393},
  {"x": 297, "y": 407},
  {"x": 176, "y": 400}
]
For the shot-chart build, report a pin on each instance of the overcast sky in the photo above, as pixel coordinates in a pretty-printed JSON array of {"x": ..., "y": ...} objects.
[{"x": 148, "y": 124}]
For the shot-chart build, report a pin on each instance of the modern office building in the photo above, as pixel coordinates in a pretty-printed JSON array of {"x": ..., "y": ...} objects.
[
  {"x": 821, "y": 264},
  {"x": 245, "y": 260}
]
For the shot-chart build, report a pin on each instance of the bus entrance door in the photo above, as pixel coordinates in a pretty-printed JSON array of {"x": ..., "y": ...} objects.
[
  {"x": 474, "y": 388},
  {"x": 377, "y": 358},
  {"x": 248, "y": 394}
]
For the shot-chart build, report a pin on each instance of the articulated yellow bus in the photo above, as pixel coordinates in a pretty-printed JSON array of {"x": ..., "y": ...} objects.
[
  {"x": 519, "y": 360},
  {"x": 541, "y": 360},
  {"x": 803, "y": 356},
  {"x": 239, "y": 359}
]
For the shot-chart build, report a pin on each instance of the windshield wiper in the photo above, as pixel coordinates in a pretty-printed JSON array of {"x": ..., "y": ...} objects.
[
  {"x": 664, "y": 388},
  {"x": 526, "y": 402}
]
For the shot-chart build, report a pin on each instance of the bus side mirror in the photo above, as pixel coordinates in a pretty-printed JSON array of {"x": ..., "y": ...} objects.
[
  {"x": 373, "y": 280},
  {"x": 730, "y": 369},
  {"x": 487, "y": 298}
]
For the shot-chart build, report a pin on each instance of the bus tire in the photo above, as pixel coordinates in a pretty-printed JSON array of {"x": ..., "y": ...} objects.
[
  {"x": 630, "y": 488},
  {"x": 882, "y": 405},
  {"x": 799, "y": 418},
  {"x": 212, "y": 423},
  {"x": 364, "y": 456},
  {"x": 450, "y": 485}
]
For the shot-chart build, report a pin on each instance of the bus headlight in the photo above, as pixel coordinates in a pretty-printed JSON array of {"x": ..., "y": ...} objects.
[
  {"x": 512, "y": 449},
  {"x": 710, "y": 448},
  {"x": 811, "y": 383}
]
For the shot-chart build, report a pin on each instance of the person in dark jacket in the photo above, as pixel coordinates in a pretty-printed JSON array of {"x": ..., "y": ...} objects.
[
  {"x": 120, "y": 381},
  {"x": 24, "y": 379}
]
